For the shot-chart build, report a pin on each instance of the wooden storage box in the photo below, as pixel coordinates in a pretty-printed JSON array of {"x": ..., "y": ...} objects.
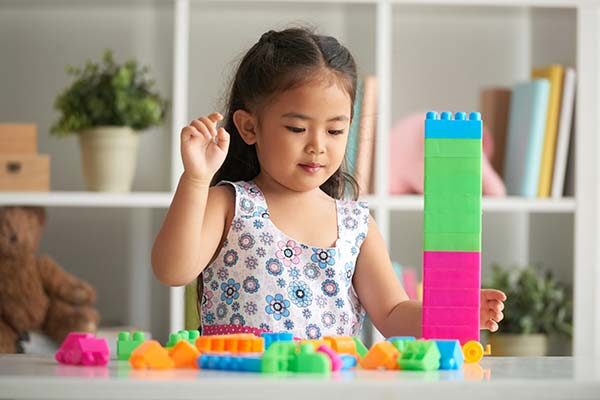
[
  {"x": 24, "y": 172},
  {"x": 18, "y": 138}
]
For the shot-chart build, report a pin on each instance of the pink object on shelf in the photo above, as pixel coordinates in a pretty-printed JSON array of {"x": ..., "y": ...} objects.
[
  {"x": 83, "y": 349},
  {"x": 407, "y": 149},
  {"x": 336, "y": 360}
]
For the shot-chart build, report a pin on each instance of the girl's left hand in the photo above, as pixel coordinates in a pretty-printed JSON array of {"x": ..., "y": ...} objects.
[{"x": 492, "y": 304}]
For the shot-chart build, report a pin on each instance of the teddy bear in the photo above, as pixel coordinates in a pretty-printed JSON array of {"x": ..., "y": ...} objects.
[{"x": 36, "y": 294}]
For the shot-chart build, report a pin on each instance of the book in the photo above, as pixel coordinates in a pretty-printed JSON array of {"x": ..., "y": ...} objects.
[
  {"x": 554, "y": 74},
  {"x": 565, "y": 124},
  {"x": 494, "y": 105},
  {"x": 525, "y": 140},
  {"x": 366, "y": 135}
]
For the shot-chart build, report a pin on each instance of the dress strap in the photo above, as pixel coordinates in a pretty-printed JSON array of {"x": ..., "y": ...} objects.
[
  {"x": 353, "y": 221},
  {"x": 249, "y": 200}
]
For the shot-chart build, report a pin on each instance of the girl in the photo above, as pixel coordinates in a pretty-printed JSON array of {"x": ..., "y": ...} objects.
[{"x": 263, "y": 219}]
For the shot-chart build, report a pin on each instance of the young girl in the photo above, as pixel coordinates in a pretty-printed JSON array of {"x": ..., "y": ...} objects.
[{"x": 263, "y": 220}]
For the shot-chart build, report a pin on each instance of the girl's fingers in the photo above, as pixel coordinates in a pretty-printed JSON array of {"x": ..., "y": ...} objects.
[
  {"x": 189, "y": 132},
  {"x": 212, "y": 126},
  {"x": 215, "y": 117},
  {"x": 493, "y": 294},
  {"x": 202, "y": 128},
  {"x": 491, "y": 325},
  {"x": 495, "y": 305},
  {"x": 223, "y": 139}
]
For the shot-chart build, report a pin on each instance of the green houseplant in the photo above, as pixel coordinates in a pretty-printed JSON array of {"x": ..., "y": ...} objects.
[
  {"x": 537, "y": 307},
  {"x": 107, "y": 105}
]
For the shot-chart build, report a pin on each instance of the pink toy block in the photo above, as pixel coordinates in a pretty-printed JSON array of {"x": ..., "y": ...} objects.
[
  {"x": 451, "y": 259},
  {"x": 336, "y": 361},
  {"x": 462, "y": 333},
  {"x": 83, "y": 349},
  {"x": 466, "y": 277},
  {"x": 439, "y": 297},
  {"x": 451, "y": 315}
]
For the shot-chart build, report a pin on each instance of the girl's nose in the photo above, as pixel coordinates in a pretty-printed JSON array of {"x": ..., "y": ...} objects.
[{"x": 316, "y": 144}]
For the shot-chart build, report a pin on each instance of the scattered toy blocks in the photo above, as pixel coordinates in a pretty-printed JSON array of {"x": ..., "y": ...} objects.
[
  {"x": 420, "y": 355},
  {"x": 272, "y": 337},
  {"x": 381, "y": 355},
  {"x": 184, "y": 355}
]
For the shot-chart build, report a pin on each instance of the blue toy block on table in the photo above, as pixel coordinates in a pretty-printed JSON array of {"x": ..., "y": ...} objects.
[
  {"x": 451, "y": 355},
  {"x": 230, "y": 363},
  {"x": 272, "y": 337}
]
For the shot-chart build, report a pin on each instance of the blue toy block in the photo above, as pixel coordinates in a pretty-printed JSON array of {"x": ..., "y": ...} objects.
[
  {"x": 392, "y": 338},
  {"x": 451, "y": 355},
  {"x": 348, "y": 361},
  {"x": 458, "y": 127},
  {"x": 229, "y": 363},
  {"x": 272, "y": 337}
]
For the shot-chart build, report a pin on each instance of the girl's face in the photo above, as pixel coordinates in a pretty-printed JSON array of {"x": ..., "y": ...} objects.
[{"x": 302, "y": 134}]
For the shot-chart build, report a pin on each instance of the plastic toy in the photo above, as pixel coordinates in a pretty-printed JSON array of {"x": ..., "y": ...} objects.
[
  {"x": 230, "y": 363},
  {"x": 336, "y": 361},
  {"x": 286, "y": 356},
  {"x": 452, "y": 226},
  {"x": 420, "y": 355},
  {"x": 234, "y": 343},
  {"x": 271, "y": 337},
  {"x": 451, "y": 354},
  {"x": 184, "y": 355},
  {"x": 127, "y": 342},
  {"x": 151, "y": 354},
  {"x": 83, "y": 349},
  {"x": 188, "y": 335},
  {"x": 381, "y": 355}
]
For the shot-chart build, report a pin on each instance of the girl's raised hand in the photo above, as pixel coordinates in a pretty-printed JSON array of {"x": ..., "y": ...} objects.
[
  {"x": 492, "y": 304},
  {"x": 204, "y": 147}
]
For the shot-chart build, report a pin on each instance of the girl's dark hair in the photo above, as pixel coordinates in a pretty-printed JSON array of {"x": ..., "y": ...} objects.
[{"x": 280, "y": 61}]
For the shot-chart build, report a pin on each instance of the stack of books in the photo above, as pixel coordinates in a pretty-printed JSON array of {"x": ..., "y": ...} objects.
[{"x": 532, "y": 125}]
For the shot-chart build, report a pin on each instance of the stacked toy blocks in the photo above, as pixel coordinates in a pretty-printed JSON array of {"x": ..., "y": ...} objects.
[{"x": 452, "y": 226}]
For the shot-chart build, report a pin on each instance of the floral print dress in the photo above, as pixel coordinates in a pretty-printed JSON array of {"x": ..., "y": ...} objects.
[{"x": 264, "y": 281}]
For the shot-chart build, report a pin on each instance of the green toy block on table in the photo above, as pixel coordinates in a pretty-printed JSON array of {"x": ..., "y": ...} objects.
[
  {"x": 420, "y": 355},
  {"x": 361, "y": 349},
  {"x": 188, "y": 335},
  {"x": 127, "y": 343},
  {"x": 283, "y": 357}
]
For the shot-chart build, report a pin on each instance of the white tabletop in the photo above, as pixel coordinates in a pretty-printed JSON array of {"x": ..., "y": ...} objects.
[{"x": 34, "y": 377}]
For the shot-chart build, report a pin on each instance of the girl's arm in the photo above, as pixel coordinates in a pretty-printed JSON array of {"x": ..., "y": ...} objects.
[
  {"x": 386, "y": 302},
  {"x": 380, "y": 291},
  {"x": 193, "y": 229}
]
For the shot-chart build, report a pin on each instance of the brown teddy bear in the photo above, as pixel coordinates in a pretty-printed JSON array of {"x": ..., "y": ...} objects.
[{"x": 35, "y": 292}]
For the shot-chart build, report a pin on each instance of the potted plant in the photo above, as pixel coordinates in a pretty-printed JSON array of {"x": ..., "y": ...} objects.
[
  {"x": 537, "y": 307},
  {"x": 107, "y": 105}
]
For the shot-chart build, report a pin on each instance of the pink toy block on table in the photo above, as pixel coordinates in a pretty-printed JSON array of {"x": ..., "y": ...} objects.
[{"x": 83, "y": 349}]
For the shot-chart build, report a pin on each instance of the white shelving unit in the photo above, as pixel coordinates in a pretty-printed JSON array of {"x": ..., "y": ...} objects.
[{"x": 584, "y": 208}]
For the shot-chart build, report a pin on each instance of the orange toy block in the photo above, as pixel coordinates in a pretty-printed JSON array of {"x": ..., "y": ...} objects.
[
  {"x": 234, "y": 343},
  {"x": 151, "y": 354},
  {"x": 381, "y": 355},
  {"x": 341, "y": 344},
  {"x": 184, "y": 355}
]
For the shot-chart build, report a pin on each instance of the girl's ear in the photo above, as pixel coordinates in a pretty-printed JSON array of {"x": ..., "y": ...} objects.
[{"x": 246, "y": 125}]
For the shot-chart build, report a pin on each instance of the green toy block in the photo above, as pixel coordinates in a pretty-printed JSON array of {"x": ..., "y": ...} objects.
[
  {"x": 310, "y": 361},
  {"x": 420, "y": 355},
  {"x": 442, "y": 185},
  {"x": 361, "y": 349},
  {"x": 453, "y": 166},
  {"x": 279, "y": 357},
  {"x": 452, "y": 148},
  {"x": 455, "y": 202},
  {"x": 401, "y": 344},
  {"x": 452, "y": 222},
  {"x": 452, "y": 242},
  {"x": 188, "y": 335},
  {"x": 127, "y": 343}
]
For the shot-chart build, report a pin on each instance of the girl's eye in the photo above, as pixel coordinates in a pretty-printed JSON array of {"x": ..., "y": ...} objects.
[
  {"x": 336, "y": 132},
  {"x": 295, "y": 129}
]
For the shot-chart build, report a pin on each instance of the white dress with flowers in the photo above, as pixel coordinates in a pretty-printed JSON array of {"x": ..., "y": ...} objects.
[{"x": 264, "y": 281}]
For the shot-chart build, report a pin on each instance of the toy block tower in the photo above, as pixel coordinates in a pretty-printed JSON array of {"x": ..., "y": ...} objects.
[{"x": 452, "y": 226}]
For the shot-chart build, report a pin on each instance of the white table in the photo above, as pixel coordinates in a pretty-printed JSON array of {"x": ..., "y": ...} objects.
[{"x": 40, "y": 377}]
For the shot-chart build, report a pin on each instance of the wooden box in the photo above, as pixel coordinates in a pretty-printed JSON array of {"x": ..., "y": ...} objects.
[
  {"x": 24, "y": 172},
  {"x": 18, "y": 138}
]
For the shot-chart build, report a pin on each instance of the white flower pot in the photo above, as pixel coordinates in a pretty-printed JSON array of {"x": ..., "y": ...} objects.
[
  {"x": 504, "y": 344},
  {"x": 108, "y": 157}
]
